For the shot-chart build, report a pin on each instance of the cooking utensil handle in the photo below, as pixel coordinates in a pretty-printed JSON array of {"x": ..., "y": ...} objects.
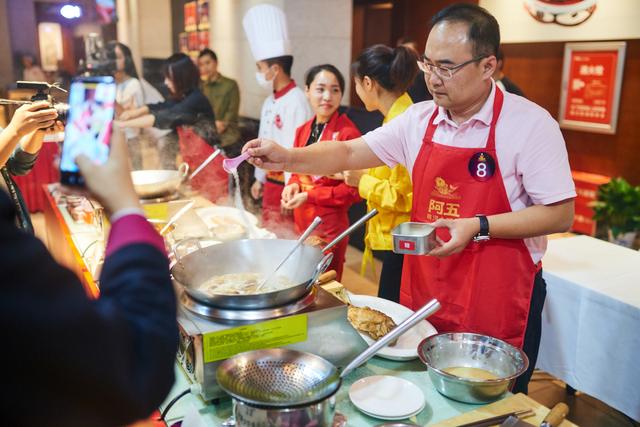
[
  {"x": 184, "y": 170},
  {"x": 556, "y": 415},
  {"x": 205, "y": 163},
  {"x": 324, "y": 263},
  {"x": 488, "y": 422},
  {"x": 174, "y": 249},
  {"x": 177, "y": 216},
  {"x": 326, "y": 277},
  {"x": 425, "y": 311},
  {"x": 316, "y": 222},
  {"x": 349, "y": 230}
]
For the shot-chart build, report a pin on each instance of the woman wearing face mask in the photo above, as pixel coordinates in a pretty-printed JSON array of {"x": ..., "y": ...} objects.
[
  {"x": 187, "y": 106},
  {"x": 382, "y": 76},
  {"x": 326, "y": 197}
]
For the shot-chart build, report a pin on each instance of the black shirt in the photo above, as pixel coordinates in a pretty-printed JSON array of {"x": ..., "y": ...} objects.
[
  {"x": 511, "y": 87},
  {"x": 171, "y": 114},
  {"x": 418, "y": 90}
]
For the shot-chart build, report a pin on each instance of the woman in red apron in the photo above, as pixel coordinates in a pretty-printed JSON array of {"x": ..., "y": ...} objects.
[{"x": 326, "y": 197}]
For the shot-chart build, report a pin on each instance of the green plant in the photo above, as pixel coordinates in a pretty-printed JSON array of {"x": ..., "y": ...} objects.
[{"x": 618, "y": 206}]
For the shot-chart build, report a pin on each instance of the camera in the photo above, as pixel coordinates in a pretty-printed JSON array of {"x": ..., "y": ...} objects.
[
  {"x": 99, "y": 61},
  {"x": 43, "y": 93}
]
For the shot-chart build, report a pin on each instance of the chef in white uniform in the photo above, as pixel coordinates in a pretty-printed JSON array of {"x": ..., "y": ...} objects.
[{"x": 283, "y": 111}]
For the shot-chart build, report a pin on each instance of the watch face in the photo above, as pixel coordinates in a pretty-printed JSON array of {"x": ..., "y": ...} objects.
[{"x": 481, "y": 238}]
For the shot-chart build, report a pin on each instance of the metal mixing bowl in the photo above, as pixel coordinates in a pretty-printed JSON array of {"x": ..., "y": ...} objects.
[{"x": 450, "y": 350}]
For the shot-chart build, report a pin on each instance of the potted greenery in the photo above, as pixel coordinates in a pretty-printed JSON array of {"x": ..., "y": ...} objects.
[{"x": 618, "y": 208}]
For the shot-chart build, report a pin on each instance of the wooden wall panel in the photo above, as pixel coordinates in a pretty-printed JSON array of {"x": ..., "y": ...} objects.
[{"x": 537, "y": 69}]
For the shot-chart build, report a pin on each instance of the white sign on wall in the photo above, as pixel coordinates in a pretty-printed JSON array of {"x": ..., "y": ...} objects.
[
  {"x": 50, "y": 40},
  {"x": 523, "y": 21}
]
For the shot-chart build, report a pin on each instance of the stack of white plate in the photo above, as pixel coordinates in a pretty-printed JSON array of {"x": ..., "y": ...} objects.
[{"x": 387, "y": 397}]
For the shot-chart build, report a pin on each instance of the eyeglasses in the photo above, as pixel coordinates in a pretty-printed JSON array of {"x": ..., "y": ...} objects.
[{"x": 444, "y": 72}]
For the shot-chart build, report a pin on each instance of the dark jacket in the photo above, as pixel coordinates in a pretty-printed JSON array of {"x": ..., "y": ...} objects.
[
  {"x": 72, "y": 361},
  {"x": 189, "y": 110}
]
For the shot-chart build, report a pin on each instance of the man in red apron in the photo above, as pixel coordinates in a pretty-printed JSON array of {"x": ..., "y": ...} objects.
[{"x": 489, "y": 169}]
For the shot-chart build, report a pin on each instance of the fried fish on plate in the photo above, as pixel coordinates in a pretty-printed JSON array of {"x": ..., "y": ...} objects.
[{"x": 372, "y": 322}]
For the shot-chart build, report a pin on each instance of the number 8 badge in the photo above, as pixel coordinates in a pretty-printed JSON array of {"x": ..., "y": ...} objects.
[{"x": 482, "y": 166}]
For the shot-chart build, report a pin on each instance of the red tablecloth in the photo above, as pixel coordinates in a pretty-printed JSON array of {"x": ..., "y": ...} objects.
[{"x": 44, "y": 172}]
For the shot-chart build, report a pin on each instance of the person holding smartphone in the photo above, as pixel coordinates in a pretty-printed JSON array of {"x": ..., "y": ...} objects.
[
  {"x": 88, "y": 362},
  {"x": 20, "y": 144}
]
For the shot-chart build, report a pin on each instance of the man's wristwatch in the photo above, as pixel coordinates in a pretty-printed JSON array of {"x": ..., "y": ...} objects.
[{"x": 483, "y": 234}]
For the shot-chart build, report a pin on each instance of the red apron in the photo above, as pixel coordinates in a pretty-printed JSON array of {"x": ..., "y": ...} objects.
[
  {"x": 487, "y": 287},
  {"x": 212, "y": 182},
  {"x": 272, "y": 218}
]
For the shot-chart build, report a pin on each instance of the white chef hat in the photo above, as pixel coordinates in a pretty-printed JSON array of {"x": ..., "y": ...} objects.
[{"x": 266, "y": 29}]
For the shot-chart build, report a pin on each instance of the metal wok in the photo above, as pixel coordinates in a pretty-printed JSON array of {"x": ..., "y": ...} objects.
[
  {"x": 158, "y": 183},
  {"x": 250, "y": 256}
]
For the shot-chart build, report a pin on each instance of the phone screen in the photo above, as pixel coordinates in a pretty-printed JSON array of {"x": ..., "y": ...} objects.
[{"x": 88, "y": 129}]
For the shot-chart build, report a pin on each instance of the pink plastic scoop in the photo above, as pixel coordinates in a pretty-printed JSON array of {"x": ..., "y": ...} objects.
[{"x": 229, "y": 165}]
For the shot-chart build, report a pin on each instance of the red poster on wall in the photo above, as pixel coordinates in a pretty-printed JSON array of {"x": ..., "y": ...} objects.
[
  {"x": 190, "y": 16},
  {"x": 591, "y": 86},
  {"x": 591, "y": 83}
]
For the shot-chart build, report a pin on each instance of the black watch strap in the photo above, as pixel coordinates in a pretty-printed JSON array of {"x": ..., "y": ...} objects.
[{"x": 483, "y": 234}]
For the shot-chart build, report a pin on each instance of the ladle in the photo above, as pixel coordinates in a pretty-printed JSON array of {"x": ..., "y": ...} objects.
[
  {"x": 230, "y": 165},
  {"x": 316, "y": 222}
]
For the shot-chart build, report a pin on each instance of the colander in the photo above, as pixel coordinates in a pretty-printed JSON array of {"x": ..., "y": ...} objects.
[
  {"x": 284, "y": 378},
  {"x": 278, "y": 377}
]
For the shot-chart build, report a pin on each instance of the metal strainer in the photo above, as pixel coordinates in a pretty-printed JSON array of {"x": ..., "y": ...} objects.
[
  {"x": 281, "y": 378},
  {"x": 278, "y": 377}
]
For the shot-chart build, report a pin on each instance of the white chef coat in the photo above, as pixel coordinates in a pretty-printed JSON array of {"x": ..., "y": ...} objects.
[{"x": 281, "y": 115}]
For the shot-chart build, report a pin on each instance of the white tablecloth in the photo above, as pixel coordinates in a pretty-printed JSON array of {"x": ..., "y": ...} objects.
[{"x": 591, "y": 320}]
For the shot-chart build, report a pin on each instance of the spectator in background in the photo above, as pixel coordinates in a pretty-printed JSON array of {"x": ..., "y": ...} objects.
[
  {"x": 325, "y": 196},
  {"x": 418, "y": 90},
  {"x": 503, "y": 81},
  {"x": 131, "y": 92},
  {"x": 382, "y": 76},
  {"x": 187, "y": 106},
  {"x": 224, "y": 96},
  {"x": 30, "y": 70}
]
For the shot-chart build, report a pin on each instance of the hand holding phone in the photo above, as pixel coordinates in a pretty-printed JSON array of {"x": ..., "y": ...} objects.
[
  {"x": 88, "y": 129},
  {"x": 111, "y": 183}
]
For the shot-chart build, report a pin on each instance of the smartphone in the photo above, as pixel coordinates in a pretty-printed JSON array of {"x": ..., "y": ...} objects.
[{"x": 88, "y": 128}]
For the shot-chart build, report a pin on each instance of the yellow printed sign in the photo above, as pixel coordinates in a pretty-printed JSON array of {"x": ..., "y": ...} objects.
[
  {"x": 156, "y": 211},
  {"x": 270, "y": 334}
]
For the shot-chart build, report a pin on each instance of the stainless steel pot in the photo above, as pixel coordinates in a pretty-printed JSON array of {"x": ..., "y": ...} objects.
[
  {"x": 466, "y": 350},
  {"x": 290, "y": 388},
  {"x": 157, "y": 183},
  {"x": 250, "y": 256}
]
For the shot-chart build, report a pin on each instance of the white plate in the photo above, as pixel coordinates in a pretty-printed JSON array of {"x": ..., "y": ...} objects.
[
  {"x": 387, "y": 397},
  {"x": 227, "y": 212},
  {"x": 406, "y": 347}
]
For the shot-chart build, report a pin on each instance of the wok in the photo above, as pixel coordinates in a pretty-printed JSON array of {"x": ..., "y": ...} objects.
[
  {"x": 250, "y": 256},
  {"x": 256, "y": 256},
  {"x": 157, "y": 183}
]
